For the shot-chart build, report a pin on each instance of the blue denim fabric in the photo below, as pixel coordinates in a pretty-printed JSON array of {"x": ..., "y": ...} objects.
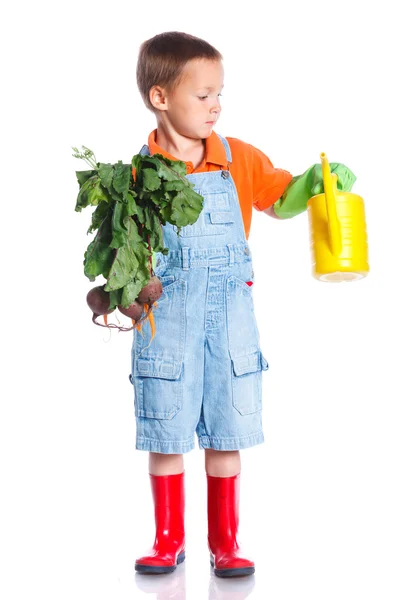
[{"x": 203, "y": 370}]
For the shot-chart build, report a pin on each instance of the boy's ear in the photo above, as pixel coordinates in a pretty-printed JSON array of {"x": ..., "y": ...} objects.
[{"x": 158, "y": 98}]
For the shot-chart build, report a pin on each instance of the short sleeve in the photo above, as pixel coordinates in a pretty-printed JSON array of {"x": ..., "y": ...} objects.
[{"x": 269, "y": 183}]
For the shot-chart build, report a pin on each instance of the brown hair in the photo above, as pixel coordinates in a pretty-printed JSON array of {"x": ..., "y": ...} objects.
[{"x": 163, "y": 57}]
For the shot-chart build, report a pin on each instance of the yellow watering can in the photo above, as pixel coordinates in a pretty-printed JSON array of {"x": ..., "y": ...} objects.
[{"x": 338, "y": 232}]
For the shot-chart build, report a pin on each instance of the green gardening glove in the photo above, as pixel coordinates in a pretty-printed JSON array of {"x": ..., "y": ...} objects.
[
  {"x": 345, "y": 182},
  {"x": 310, "y": 183}
]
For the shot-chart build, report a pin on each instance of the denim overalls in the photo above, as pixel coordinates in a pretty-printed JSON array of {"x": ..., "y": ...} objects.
[{"x": 203, "y": 370}]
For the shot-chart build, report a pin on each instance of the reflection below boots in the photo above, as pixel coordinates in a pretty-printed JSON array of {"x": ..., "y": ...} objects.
[
  {"x": 237, "y": 588},
  {"x": 167, "y": 586}
]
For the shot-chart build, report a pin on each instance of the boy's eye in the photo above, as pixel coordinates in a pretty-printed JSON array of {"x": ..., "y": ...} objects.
[{"x": 204, "y": 97}]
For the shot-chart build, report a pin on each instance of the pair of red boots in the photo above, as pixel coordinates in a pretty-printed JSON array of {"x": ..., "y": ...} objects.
[{"x": 223, "y": 521}]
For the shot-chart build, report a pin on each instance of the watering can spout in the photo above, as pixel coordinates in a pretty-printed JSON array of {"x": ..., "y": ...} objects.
[{"x": 330, "y": 189}]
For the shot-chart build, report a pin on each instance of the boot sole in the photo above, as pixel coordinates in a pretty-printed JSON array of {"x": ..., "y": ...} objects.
[
  {"x": 156, "y": 570},
  {"x": 232, "y": 572}
]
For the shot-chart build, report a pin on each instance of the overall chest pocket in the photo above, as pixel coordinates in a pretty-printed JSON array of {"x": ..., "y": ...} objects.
[
  {"x": 215, "y": 218},
  {"x": 157, "y": 367}
]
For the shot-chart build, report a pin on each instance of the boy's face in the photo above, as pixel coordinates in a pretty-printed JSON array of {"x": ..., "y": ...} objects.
[{"x": 194, "y": 107}]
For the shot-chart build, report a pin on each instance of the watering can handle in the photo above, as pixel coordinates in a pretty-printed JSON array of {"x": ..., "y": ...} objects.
[{"x": 330, "y": 187}]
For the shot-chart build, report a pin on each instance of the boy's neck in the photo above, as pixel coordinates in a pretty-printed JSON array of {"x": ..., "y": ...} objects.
[{"x": 182, "y": 148}]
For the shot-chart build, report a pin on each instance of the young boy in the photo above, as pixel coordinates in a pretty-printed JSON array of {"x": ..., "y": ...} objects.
[{"x": 203, "y": 370}]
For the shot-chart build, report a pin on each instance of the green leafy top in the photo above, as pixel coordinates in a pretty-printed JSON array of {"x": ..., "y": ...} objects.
[{"x": 129, "y": 215}]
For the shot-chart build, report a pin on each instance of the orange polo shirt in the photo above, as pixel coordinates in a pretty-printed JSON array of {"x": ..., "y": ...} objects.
[{"x": 258, "y": 183}]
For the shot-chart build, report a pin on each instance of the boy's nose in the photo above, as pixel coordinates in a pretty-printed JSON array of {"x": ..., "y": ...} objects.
[{"x": 217, "y": 108}]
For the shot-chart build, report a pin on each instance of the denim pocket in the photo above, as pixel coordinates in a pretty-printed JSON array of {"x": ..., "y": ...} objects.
[
  {"x": 216, "y": 200},
  {"x": 244, "y": 347},
  {"x": 158, "y": 388},
  {"x": 215, "y": 218},
  {"x": 166, "y": 280},
  {"x": 243, "y": 332},
  {"x": 157, "y": 364},
  {"x": 247, "y": 382}
]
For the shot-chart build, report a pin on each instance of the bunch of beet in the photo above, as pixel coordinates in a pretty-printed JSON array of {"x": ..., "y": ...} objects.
[{"x": 99, "y": 303}]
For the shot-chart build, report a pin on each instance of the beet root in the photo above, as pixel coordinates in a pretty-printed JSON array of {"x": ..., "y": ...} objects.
[
  {"x": 134, "y": 311},
  {"x": 99, "y": 301},
  {"x": 151, "y": 292}
]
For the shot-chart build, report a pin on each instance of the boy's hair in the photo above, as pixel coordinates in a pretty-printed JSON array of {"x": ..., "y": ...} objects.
[{"x": 163, "y": 57}]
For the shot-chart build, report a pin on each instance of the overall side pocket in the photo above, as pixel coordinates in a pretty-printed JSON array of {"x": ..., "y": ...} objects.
[
  {"x": 157, "y": 365},
  {"x": 247, "y": 382},
  {"x": 158, "y": 387},
  {"x": 248, "y": 361}
]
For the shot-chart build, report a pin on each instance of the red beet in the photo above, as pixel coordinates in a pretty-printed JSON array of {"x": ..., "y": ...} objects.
[
  {"x": 151, "y": 292},
  {"x": 99, "y": 301},
  {"x": 134, "y": 311}
]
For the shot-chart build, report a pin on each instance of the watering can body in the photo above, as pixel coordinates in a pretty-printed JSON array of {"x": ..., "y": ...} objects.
[{"x": 338, "y": 233}]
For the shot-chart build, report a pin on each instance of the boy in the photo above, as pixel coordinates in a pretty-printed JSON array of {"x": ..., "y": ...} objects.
[{"x": 203, "y": 369}]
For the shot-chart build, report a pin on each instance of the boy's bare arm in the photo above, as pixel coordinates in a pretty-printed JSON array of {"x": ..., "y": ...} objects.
[{"x": 270, "y": 211}]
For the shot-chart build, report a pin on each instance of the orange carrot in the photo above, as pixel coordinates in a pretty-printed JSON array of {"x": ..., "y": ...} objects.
[
  {"x": 105, "y": 319},
  {"x": 152, "y": 325},
  {"x": 150, "y": 317}
]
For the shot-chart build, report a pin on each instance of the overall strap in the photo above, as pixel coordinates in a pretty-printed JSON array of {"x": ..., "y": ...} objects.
[
  {"x": 227, "y": 148},
  {"x": 144, "y": 150}
]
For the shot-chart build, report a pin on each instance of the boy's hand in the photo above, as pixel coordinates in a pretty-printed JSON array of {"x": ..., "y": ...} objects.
[
  {"x": 302, "y": 187},
  {"x": 345, "y": 182}
]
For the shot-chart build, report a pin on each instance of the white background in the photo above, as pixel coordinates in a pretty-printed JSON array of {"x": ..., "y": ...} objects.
[{"x": 320, "y": 498}]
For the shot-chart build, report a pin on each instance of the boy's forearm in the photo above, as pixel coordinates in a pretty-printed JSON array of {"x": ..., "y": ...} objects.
[
  {"x": 290, "y": 196},
  {"x": 271, "y": 212}
]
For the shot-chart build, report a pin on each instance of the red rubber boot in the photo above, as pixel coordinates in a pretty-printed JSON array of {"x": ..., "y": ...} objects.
[
  {"x": 223, "y": 524},
  {"x": 169, "y": 508}
]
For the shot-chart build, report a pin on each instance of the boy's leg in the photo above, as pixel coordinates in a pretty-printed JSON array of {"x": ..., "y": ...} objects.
[
  {"x": 223, "y": 487},
  {"x": 168, "y": 490},
  {"x": 165, "y": 464},
  {"x": 222, "y": 463}
]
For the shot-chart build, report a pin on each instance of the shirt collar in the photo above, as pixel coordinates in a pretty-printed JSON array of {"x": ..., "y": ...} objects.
[{"x": 215, "y": 149}]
